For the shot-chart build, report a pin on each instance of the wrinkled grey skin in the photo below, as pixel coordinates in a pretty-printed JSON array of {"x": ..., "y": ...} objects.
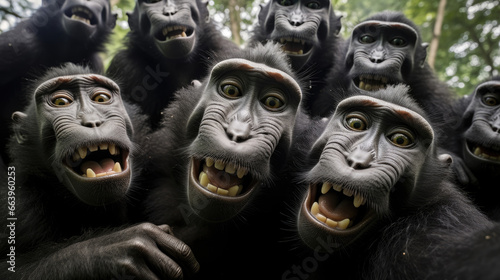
[
  {"x": 366, "y": 162},
  {"x": 242, "y": 130},
  {"x": 60, "y": 131},
  {"x": 100, "y": 18},
  {"x": 316, "y": 25},
  {"x": 383, "y": 56}
]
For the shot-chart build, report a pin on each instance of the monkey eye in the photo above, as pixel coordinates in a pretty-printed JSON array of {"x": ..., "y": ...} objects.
[
  {"x": 366, "y": 39},
  {"x": 285, "y": 2},
  {"x": 490, "y": 101},
  {"x": 401, "y": 139},
  {"x": 230, "y": 90},
  {"x": 356, "y": 122},
  {"x": 101, "y": 97},
  {"x": 313, "y": 5},
  {"x": 273, "y": 102},
  {"x": 398, "y": 42},
  {"x": 152, "y": 1},
  {"x": 61, "y": 100}
]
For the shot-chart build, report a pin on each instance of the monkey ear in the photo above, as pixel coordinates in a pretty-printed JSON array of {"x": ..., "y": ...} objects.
[
  {"x": 112, "y": 23},
  {"x": 196, "y": 83},
  {"x": 446, "y": 159},
  {"x": 18, "y": 119},
  {"x": 424, "y": 54}
]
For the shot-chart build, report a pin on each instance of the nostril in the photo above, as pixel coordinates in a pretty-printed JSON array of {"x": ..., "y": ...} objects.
[{"x": 238, "y": 131}]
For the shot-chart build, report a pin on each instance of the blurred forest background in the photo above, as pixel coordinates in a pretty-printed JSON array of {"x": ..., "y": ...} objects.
[{"x": 464, "y": 35}]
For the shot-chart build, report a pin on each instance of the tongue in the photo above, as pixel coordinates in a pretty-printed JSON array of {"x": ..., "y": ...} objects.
[
  {"x": 220, "y": 178},
  {"x": 336, "y": 206},
  {"x": 102, "y": 166}
]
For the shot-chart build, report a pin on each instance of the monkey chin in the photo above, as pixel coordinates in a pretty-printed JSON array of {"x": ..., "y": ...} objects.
[
  {"x": 218, "y": 204},
  {"x": 316, "y": 227}
]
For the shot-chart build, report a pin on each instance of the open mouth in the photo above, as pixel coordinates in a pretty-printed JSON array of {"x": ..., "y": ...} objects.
[
  {"x": 225, "y": 179},
  {"x": 336, "y": 207},
  {"x": 294, "y": 46},
  {"x": 173, "y": 32},
  {"x": 81, "y": 13},
  {"x": 371, "y": 82},
  {"x": 488, "y": 153},
  {"x": 100, "y": 160}
]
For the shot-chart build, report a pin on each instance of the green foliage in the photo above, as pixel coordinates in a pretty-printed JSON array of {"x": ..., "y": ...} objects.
[{"x": 469, "y": 46}]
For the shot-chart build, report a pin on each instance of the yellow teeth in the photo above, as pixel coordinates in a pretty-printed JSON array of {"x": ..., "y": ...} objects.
[
  {"x": 329, "y": 222},
  {"x": 478, "y": 151},
  {"x": 372, "y": 82},
  {"x": 232, "y": 191},
  {"x": 326, "y": 187},
  {"x": 112, "y": 149},
  {"x": 229, "y": 168},
  {"x": 168, "y": 29},
  {"x": 117, "y": 167},
  {"x": 204, "y": 179},
  {"x": 103, "y": 146},
  {"x": 90, "y": 173},
  {"x": 82, "y": 152}
]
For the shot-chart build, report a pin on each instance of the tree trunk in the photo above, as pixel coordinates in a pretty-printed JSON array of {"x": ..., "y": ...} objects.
[
  {"x": 436, "y": 33},
  {"x": 234, "y": 21}
]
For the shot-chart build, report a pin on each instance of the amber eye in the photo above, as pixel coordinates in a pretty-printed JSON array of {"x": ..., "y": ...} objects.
[
  {"x": 230, "y": 90},
  {"x": 366, "y": 39},
  {"x": 101, "y": 97},
  {"x": 401, "y": 139},
  {"x": 286, "y": 2},
  {"x": 356, "y": 123},
  {"x": 61, "y": 101},
  {"x": 313, "y": 5},
  {"x": 490, "y": 101},
  {"x": 398, "y": 42},
  {"x": 273, "y": 102}
]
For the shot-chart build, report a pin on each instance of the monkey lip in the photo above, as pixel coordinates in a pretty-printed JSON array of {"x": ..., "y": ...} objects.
[
  {"x": 484, "y": 153},
  {"x": 295, "y": 46},
  {"x": 81, "y": 14},
  {"x": 98, "y": 160},
  {"x": 371, "y": 82},
  {"x": 223, "y": 179}
]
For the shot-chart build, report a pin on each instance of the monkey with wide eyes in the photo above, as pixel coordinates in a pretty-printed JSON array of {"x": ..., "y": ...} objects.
[
  {"x": 215, "y": 163},
  {"x": 476, "y": 139},
  {"x": 308, "y": 32},
  {"x": 374, "y": 193},
  {"x": 73, "y": 165},
  {"x": 387, "y": 49}
]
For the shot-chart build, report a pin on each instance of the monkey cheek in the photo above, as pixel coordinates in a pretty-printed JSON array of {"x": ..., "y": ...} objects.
[{"x": 98, "y": 191}]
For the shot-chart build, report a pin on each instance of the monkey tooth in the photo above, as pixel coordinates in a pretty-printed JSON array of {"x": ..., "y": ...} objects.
[
  {"x": 294, "y": 46},
  {"x": 324, "y": 217},
  {"x": 81, "y": 14},
  {"x": 487, "y": 153},
  {"x": 173, "y": 32},
  {"x": 98, "y": 164},
  {"x": 229, "y": 169},
  {"x": 372, "y": 82}
]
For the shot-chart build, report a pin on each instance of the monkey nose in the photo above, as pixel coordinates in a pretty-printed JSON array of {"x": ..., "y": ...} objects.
[
  {"x": 238, "y": 131},
  {"x": 377, "y": 56},
  {"x": 359, "y": 159},
  {"x": 91, "y": 121},
  {"x": 296, "y": 19}
]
